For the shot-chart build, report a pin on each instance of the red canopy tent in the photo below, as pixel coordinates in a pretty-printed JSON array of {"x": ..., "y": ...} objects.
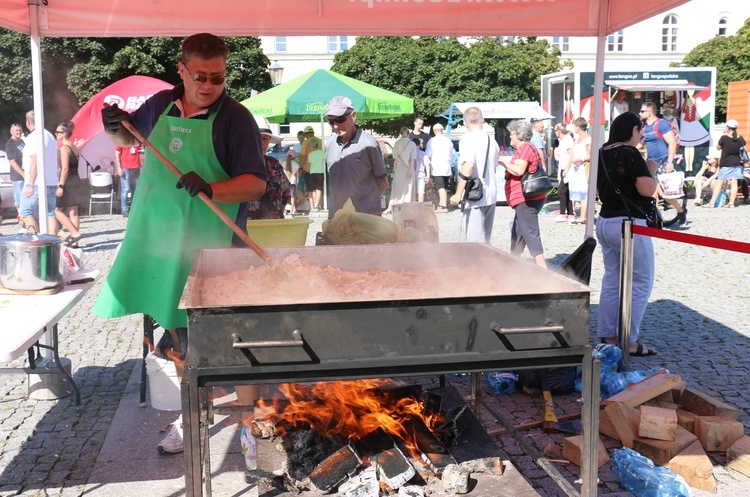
[
  {"x": 75, "y": 18},
  {"x": 128, "y": 93}
]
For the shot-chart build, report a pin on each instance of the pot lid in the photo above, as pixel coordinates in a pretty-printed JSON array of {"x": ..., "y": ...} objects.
[{"x": 27, "y": 239}]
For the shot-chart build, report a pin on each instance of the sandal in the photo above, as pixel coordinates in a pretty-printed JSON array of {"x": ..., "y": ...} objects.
[
  {"x": 639, "y": 351},
  {"x": 707, "y": 206},
  {"x": 441, "y": 210},
  {"x": 72, "y": 240}
]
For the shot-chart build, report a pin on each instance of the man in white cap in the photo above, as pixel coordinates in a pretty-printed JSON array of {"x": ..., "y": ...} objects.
[
  {"x": 355, "y": 163},
  {"x": 311, "y": 142},
  {"x": 440, "y": 151}
]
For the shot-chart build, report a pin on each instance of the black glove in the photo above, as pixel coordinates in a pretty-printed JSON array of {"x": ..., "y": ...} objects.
[
  {"x": 194, "y": 184},
  {"x": 112, "y": 117}
]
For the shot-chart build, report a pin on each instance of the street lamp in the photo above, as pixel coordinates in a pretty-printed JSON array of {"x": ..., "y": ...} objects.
[{"x": 275, "y": 71}]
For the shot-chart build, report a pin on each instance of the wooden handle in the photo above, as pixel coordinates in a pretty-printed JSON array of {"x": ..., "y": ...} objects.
[{"x": 210, "y": 203}]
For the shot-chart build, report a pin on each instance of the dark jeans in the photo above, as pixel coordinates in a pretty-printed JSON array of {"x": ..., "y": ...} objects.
[
  {"x": 566, "y": 206},
  {"x": 127, "y": 185},
  {"x": 525, "y": 229}
]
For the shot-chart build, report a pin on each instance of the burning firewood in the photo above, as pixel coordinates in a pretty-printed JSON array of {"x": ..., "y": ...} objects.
[
  {"x": 455, "y": 421},
  {"x": 335, "y": 469},
  {"x": 393, "y": 468}
]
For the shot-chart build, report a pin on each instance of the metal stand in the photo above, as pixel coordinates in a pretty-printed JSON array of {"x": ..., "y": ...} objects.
[{"x": 626, "y": 292}]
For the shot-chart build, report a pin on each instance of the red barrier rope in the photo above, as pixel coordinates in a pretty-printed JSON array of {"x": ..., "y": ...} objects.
[{"x": 705, "y": 241}]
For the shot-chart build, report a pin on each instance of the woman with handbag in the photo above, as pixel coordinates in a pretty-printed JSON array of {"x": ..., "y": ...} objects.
[
  {"x": 730, "y": 164},
  {"x": 626, "y": 185},
  {"x": 405, "y": 155},
  {"x": 525, "y": 227}
]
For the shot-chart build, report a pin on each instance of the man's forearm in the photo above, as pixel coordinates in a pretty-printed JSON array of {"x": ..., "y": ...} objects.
[{"x": 16, "y": 167}]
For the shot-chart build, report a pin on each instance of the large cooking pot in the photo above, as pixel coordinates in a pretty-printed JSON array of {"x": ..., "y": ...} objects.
[{"x": 30, "y": 261}]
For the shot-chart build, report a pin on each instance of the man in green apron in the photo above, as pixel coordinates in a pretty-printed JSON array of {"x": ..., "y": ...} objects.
[{"x": 214, "y": 141}]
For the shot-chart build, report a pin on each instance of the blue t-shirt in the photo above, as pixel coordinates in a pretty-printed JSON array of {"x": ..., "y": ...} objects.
[
  {"x": 655, "y": 145},
  {"x": 236, "y": 137}
]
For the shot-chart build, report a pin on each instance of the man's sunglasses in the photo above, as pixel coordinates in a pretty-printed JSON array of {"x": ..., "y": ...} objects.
[
  {"x": 340, "y": 119},
  {"x": 200, "y": 79}
]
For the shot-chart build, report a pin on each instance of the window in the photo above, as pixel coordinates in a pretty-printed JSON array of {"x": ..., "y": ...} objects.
[
  {"x": 504, "y": 40},
  {"x": 280, "y": 44},
  {"x": 561, "y": 42},
  {"x": 337, "y": 43},
  {"x": 669, "y": 34},
  {"x": 284, "y": 129},
  {"x": 723, "y": 22},
  {"x": 614, "y": 42}
]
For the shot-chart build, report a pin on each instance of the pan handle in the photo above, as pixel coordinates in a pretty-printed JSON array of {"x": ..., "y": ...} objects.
[
  {"x": 296, "y": 341},
  {"x": 503, "y": 333}
]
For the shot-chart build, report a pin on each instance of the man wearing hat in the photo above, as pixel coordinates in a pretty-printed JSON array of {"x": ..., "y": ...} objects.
[
  {"x": 307, "y": 145},
  {"x": 355, "y": 163}
]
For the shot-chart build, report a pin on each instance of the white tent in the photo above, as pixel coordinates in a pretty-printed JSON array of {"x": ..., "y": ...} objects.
[
  {"x": 503, "y": 110},
  {"x": 76, "y": 18}
]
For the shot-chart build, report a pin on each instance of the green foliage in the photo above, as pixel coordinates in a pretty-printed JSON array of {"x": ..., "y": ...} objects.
[
  {"x": 731, "y": 56},
  {"x": 76, "y": 69},
  {"x": 436, "y": 71}
]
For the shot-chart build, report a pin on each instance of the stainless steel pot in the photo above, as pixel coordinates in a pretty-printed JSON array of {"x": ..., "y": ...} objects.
[{"x": 30, "y": 261}]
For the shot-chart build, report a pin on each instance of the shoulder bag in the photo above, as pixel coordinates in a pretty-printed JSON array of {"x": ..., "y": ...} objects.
[
  {"x": 536, "y": 183},
  {"x": 652, "y": 214},
  {"x": 474, "y": 190},
  {"x": 744, "y": 156}
]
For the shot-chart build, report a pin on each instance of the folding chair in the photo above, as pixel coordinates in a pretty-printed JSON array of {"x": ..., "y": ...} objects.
[{"x": 102, "y": 190}]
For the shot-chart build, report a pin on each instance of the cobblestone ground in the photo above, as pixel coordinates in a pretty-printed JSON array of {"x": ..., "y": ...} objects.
[{"x": 697, "y": 319}]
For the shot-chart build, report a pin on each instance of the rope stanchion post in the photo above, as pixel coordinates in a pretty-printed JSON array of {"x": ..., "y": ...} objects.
[{"x": 626, "y": 292}]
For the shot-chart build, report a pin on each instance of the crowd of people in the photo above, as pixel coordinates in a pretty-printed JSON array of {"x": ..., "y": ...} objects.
[{"x": 225, "y": 159}]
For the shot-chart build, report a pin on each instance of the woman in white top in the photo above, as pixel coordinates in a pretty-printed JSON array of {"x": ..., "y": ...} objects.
[
  {"x": 563, "y": 155},
  {"x": 578, "y": 175},
  {"x": 404, "y": 155}
]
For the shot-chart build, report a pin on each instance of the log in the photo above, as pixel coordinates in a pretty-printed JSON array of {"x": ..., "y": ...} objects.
[
  {"x": 625, "y": 421},
  {"x": 705, "y": 405},
  {"x": 662, "y": 451},
  {"x": 738, "y": 456},
  {"x": 643, "y": 391},
  {"x": 658, "y": 423},
  {"x": 573, "y": 451},
  {"x": 694, "y": 465},
  {"x": 686, "y": 419},
  {"x": 718, "y": 432},
  {"x": 606, "y": 427}
]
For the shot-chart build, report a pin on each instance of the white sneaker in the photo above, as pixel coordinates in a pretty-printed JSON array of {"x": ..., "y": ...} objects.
[
  {"x": 172, "y": 443},
  {"x": 247, "y": 444}
]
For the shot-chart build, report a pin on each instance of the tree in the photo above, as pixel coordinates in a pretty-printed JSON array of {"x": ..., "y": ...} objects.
[
  {"x": 731, "y": 56},
  {"x": 437, "y": 71},
  {"x": 75, "y": 69}
]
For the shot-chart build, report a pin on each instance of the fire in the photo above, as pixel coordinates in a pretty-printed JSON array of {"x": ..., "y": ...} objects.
[{"x": 352, "y": 409}]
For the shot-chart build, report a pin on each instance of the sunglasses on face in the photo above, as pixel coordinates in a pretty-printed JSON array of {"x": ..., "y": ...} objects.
[
  {"x": 200, "y": 79},
  {"x": 58, "y": 132},
  {"x": 340, "y": 119}
]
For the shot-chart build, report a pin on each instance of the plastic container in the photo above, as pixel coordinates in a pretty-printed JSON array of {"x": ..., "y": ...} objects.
[
  {"x": 721, "y": 201},
  {"x": 163, "y": 385},
  {"x": 639, "y": 475},
  {"x": 290, "y": 232},
  {"x": 501, "y": 382}
]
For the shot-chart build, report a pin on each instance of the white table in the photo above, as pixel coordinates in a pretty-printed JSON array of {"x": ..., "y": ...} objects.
[{"x": 24, "y": 319}]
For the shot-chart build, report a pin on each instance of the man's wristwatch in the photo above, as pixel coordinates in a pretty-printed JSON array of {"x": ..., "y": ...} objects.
[{"x": 61, "y": 186}]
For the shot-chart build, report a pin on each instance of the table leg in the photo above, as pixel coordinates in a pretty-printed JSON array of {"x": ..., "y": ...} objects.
[{"x": 58, "y": 362}]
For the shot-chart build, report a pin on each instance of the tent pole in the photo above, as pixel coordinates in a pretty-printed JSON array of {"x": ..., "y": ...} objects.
[
  {"x": 36, "y": 77},
  {"x": 596, "y": 128},
  {"x": 325, "y": 164}
]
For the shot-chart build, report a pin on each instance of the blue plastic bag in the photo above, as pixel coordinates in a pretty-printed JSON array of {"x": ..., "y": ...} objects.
[{"x": 638, "y": 474}]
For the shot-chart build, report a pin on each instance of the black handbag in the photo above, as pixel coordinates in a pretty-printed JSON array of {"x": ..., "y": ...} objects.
[
  {"x": 744, "y": 156},
  {"x": 474, "y": 190},
  {"x": 652, "y": 214},
  {"x": 536, "y": 183}
]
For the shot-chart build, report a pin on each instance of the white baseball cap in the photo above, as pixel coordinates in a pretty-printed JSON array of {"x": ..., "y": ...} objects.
[
  {"x": 337, "y": 106},
  {"x": 733, "y": 124}
]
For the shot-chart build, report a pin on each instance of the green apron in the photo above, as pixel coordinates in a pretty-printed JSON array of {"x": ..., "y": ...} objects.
[{"x": 167, "y": 227}]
